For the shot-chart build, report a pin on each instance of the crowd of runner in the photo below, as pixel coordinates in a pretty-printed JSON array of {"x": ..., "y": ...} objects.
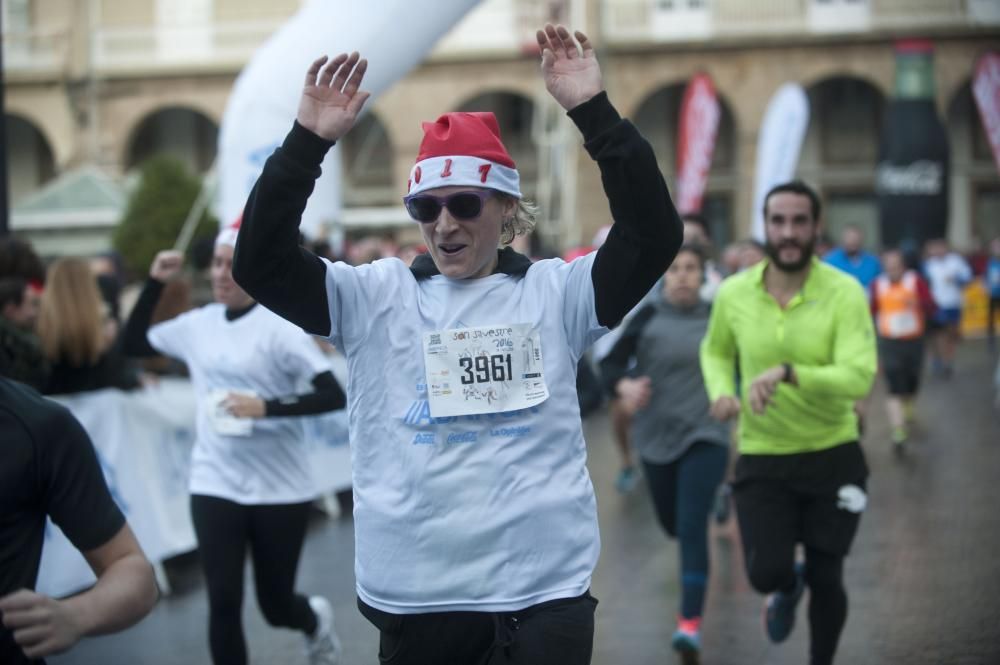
[{"x": 748, "y": 377}]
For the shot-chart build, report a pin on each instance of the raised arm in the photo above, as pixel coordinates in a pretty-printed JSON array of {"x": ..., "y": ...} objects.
[
  {"x": 647, "y": 230},
  {"x": 166, "y": 265},
  {"x": 269, "y": 263}
]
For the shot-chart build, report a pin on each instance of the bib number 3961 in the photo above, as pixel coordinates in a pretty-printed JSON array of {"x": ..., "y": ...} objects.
[{"x": 490, "y": 369}]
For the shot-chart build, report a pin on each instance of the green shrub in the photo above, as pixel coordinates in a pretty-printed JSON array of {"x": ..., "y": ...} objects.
[{"x": 156, "y": 211}]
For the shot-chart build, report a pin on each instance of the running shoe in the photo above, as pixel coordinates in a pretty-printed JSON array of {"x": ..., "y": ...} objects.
[
  {"x": 779, "y": 609},
  {"x": 627, "y": 479},
  {"x": 322, "y": 646},
  {"x": 687, "y": 640}
]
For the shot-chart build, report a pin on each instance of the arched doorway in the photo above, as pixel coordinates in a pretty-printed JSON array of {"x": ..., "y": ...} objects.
[
  {"x": 975, "y": 183},
  {"x": 658, "y": 118},
  {"x": 29, "y": 158},
  {"x": 840, "y": 152},
  {"x": 183, "y": 133}
]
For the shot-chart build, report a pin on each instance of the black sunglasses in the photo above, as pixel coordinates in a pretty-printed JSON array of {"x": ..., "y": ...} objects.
[{"x": 463, "y": 205}]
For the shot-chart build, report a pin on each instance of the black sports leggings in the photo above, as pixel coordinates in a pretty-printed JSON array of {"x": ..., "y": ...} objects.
[
  {"x": 274, "y": 534},
  {"x": 683, "y": 492}
]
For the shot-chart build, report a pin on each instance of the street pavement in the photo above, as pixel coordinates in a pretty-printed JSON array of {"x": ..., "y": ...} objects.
[{"x": 923, "y": 578}]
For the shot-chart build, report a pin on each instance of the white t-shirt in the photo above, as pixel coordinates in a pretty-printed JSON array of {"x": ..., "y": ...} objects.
[
  {"x": 259, "y": 353},
  {"x": 490, "y": 512},
  {"x": 947, "y": 275}
]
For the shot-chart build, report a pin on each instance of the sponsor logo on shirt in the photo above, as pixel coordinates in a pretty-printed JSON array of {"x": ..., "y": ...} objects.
[
  {"x": 463, "y": 437},
  {"x": 509, "y": 432},
  {"x": 418, "y": 415}
]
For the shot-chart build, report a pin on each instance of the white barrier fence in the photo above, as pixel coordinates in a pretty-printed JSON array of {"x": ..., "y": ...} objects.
[{"x": 143, "y": 440}]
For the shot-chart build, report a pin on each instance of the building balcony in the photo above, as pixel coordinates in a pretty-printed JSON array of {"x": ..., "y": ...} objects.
[
  {"x": 664, "y": 21},
  {"x": 35, "y": 53},
  {"x": 208, "y": 46}
]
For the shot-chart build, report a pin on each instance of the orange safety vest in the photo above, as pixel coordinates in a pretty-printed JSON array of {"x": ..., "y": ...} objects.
[{"x": 900, "y": 315}]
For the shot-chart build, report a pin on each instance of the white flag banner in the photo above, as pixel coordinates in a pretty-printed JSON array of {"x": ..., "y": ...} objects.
[
  {"x": 394, "y": 35},
  {"x": 778, "y": 146}
]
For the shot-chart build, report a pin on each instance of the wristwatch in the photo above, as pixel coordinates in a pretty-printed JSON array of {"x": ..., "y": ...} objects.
[{"x": 787, "y": 376}]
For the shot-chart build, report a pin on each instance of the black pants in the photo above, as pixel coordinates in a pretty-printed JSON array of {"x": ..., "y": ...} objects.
[
  {"x": 557, "y": 632},
  {"x": 274, "y": 534},
  {"x": 811, "y": 498}
]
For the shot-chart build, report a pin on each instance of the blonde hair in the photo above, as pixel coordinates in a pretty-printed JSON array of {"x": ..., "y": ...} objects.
[
  {"x": 521, "y": 222},
  {"x": 71, "y": 316}
]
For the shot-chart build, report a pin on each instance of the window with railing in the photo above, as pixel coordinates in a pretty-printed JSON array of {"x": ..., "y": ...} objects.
[
  {"x": 16, "y": 15},
  {"x": 839, "y": 15},
  {"x": 681, "y": 19}
]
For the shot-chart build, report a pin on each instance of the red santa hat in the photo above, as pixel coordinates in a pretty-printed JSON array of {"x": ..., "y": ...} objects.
[
  {"x": 227, "y": 236},
  {"x": 464, "y": 149}
]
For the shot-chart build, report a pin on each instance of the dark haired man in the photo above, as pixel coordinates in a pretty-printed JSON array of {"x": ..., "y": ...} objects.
[
  {"x": 21, "y": 358},
  {"x": 803, "y": 335},
  {"x": 50, "y": 470}
]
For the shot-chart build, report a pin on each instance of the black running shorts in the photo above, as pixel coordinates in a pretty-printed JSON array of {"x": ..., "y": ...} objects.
[
  {"x": 810, "y": 498},
  {"x": 902, "y": 361}
]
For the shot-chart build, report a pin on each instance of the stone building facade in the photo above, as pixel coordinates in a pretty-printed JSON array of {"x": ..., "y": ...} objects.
[{"x": 107, "y": 83}]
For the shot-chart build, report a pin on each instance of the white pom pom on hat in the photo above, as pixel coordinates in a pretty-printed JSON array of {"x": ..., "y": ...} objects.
[
  {"x": 464, "y": 149},
  {"x": 227, "y": 235}
]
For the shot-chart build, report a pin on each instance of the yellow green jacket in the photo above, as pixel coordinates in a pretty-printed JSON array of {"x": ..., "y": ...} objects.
[{"x": 826, "y": 334}]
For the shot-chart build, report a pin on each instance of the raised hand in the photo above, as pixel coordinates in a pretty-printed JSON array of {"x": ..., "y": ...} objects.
[
  {"x": 331, "y": 100},
  {"x": 166, "y": 265},
  {"x": 571, "y": 73}
]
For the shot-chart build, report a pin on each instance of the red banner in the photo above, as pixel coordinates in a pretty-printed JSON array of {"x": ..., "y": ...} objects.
[
  {"x": 699, "y": 125},
  {"x": 986, "y": 90}
]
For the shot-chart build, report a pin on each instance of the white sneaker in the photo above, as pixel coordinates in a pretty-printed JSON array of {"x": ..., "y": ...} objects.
[{"x": 323, "y": 646}]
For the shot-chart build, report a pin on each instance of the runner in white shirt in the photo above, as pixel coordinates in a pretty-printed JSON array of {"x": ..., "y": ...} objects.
[
  {"x": 250, "y": 483},
  {"x": 947, "y": 274},
  {"x": 475, "y": 518}
]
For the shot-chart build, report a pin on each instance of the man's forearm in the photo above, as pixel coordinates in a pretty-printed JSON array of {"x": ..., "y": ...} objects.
[
  {"x": 122, "y": 595},
  {"x": 847, "y": 381}
]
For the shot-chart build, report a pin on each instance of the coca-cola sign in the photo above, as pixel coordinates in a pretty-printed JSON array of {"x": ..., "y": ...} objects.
[{"x": 921, "y": 178}]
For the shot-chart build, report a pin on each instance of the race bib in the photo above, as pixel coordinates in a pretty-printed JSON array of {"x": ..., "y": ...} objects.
[
  {"x": 903, "y": 324},
  {"x": 223, "y": 422},
  {"x": 490, "y": 369}
]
